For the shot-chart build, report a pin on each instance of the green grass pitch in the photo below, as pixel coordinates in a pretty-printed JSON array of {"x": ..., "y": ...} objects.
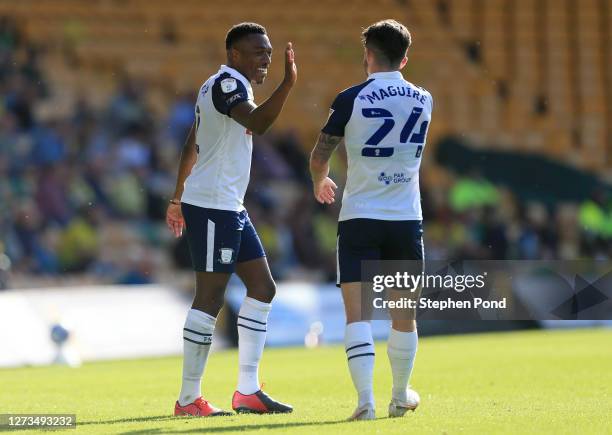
[{"x": 527, "y": 382}]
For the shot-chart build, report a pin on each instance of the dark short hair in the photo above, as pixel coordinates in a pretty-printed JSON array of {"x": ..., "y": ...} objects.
[
  {"x": 242, "y": 30},
  {"x": 389, "y": 39}
]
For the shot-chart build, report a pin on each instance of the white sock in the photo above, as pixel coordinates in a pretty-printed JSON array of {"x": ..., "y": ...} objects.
[
  {"x": 197, "y": 337},
  {"x": 359, "y": 346},
  {"x": 252, "y": 325},
  {"x": 401, "y": 349}
]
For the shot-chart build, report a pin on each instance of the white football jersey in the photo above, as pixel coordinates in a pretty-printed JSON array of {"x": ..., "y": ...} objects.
[
  {"x": 384, "y": 123},
  {"x": 220, "y": 176}
]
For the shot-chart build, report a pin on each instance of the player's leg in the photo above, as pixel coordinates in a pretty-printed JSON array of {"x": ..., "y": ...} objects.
[
  {"x": 253, "y": 321},
  {"x": 252, "y": 268},
  {"x": 404, "y": 242},
  {"x": 209, "y": 233},
  {"x": 357, "y": 241},
  {"x": 359, "y": 348},
  {"x": 401, "y": 350},
  {"x": 198, "y": 332}
]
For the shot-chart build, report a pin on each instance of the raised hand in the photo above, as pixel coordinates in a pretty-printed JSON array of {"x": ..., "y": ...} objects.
[{"x": 290, "y": 67}]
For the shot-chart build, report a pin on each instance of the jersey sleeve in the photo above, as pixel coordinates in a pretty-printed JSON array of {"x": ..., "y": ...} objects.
[
  {"x": 227, "y": 93},
  {"x": 431, "y": 102},
  {"x": 339, "y": 115}
]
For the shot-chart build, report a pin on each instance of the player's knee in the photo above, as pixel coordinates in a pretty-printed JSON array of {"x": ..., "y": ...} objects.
[
  {"x": 404, "y": 325},
  {"x": 216, "y": 305},
  {"x": 210, "y": 306},
  {"x": 264, "y": 292},
  {"x": 272, "y": 290},
  {"x": 210, "y": 309},
  {"x": 209, "y": 300},
  {"x": 352, "y": 317},
  {"x": 269, "y": 291}
]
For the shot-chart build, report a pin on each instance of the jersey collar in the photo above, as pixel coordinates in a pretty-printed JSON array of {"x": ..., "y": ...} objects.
[
  {"x": 386, "y": 75},
  {"x": 234, "y": 71}
]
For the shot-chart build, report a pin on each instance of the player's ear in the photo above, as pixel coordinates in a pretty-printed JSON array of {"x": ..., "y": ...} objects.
[
  {"x": 403, "y": 62},
  {"x": 233, "y": 54}
]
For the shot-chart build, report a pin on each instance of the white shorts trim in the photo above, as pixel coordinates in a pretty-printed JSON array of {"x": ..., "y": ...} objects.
[{"x": 210, "y": 246}]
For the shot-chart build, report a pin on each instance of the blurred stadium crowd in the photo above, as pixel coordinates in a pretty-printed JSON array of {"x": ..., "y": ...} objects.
[{"x": 86, "y": 194}]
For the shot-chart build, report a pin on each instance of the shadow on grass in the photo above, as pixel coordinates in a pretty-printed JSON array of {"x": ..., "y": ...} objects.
[
  {"x": 200, "y": 429},
  {"x": 127, "y": 420},
  {"x": 234, "y": 428}
]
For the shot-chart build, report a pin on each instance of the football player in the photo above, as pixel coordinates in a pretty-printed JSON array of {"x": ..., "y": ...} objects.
[
  {"x": 383, "y": 122},
  {"x": 208, "y": 203}
]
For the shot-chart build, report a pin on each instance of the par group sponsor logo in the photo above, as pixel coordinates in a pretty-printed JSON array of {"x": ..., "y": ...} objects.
[{"x": 396, "y": 178}]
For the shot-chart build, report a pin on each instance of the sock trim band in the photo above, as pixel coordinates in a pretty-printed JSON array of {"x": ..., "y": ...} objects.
[
  {"x": 360, "y": 354},
  {"x": 252, "y": 329},
  {"x": 196, "y": 332},
  {"x": 358, "y": 345},
  {"x": 257, "y": 305},
  {"x": 252, "y": 320},
  {"x": 196, "y": 342}
]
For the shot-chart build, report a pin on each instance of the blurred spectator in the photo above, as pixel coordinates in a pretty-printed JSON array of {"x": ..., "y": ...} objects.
[
  {"x": 85, "y": 192},
  {"x": 49, "y": 146},
  {"x": 470, "y": 192},
  {"x": 5, "y": 266},
  {"x": 10, "y": 36},
  {"x": 52, "y": 193},
  {"x": 181, "y": 117},
  {"x": 138, "y": 269},
  {"x": 128, "y": 110},
  {"x": 494, "y": 236},
  {"x": 132, "y": 150},
  {"x": 79, "y": 242},
  {"x": 30, "y": 249},
  {"x": 596, "y": 215}
]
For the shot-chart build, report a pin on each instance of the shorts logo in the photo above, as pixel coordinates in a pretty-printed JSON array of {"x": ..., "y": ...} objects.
[
  {"x": 228, "y": 85},
  {"x": 226, "y": 255}
]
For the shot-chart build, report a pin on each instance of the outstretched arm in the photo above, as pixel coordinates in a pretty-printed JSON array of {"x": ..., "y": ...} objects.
[
  {"x": 319, "y": 167},
  {"x": 258, "y": 119}
]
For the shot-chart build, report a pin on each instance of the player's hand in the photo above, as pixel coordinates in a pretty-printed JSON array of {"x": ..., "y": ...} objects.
[
  {"x": 174, "y": 219},
  {"x": 290, "y": 67},
  {"x": 324, "y": 191}
]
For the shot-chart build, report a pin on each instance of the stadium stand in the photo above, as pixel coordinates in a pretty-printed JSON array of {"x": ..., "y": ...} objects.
[
  {"x": 533, "y": 75},
  {"x": 98, "y": 94}
]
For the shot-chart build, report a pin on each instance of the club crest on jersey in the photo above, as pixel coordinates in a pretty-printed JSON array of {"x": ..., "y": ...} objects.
[
  {"x": 228, "y": 85},
  {"x": 226, "y": 255}
]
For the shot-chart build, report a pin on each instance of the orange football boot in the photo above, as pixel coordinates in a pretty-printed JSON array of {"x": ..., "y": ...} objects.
[
  {"x": 258, "y": 403},
  {"x": 199, "y": 408}
]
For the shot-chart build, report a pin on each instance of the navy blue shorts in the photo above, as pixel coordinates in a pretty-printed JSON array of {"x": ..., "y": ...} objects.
[
  {"x": 373, "y": 239},
  {"x": 218, "y": 239}
]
